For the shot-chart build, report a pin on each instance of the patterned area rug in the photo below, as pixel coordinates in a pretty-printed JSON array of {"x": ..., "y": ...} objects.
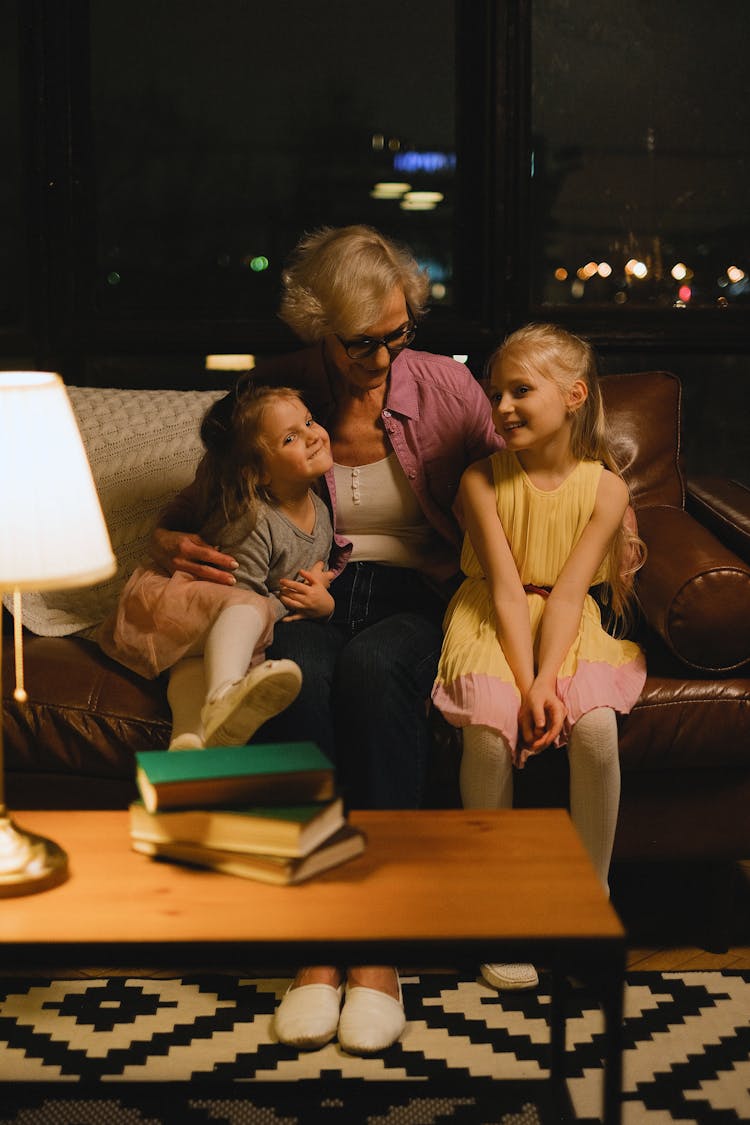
[{"x": 200, "y": 1049}]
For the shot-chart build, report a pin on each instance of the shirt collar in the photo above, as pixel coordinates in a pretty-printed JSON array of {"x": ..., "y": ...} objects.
[{"x": 402, "y": 389}]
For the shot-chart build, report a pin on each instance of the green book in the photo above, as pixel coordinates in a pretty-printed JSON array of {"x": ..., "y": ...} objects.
[
  {"x": 284, "y": 830},
  {"x": 280, "y": 773}
]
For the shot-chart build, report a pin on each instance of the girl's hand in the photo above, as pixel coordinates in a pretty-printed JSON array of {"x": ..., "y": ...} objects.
[
  {"x": 185, "y": 551},
  {"x": 540, "y": 720},
  {"x": 307, "y": 596}
]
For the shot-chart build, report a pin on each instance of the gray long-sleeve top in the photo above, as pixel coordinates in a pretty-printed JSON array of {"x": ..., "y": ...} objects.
[{"x": 276, "y": 548}]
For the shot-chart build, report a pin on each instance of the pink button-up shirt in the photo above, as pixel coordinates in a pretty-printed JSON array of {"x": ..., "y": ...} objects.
[{"x": 438, "y": 421}]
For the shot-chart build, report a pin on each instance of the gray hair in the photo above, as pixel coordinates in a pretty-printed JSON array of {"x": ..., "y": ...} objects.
[{"x": 339, "y": 278}]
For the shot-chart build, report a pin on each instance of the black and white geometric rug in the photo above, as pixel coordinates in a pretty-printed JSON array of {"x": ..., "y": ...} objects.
[{"x": 200, "y": 1049}]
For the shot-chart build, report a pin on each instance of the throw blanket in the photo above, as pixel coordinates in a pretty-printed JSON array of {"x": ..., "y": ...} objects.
[{"x": 143, "y": 447}]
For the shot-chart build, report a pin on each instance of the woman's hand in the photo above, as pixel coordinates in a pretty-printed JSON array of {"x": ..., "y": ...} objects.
[
  {"x": 307, "y": 596},
  {"x": 540, "y": 720},
  {"x": 181, "y": 550}
]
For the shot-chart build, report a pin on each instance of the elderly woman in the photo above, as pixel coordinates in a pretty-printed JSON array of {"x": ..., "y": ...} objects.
[{"x": 404, "y": 425}]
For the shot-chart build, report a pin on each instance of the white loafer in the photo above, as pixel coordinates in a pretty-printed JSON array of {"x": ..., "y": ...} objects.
[
  {"x": 308, "y": 1016},
  {"x": 370, "y": 1020},
  {"x": 509, "y": 977},
  {"x": 266, "y": 690}
]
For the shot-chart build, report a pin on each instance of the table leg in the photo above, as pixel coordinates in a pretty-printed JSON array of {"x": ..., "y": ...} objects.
[
  {"x": 558, "y": 1009},
  {"x": 609, "y": 987},
  {"x": 612, "y": 1007}
]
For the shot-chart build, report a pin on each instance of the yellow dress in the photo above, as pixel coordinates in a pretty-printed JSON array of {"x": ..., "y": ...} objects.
[{"x": 475, "y": 685}]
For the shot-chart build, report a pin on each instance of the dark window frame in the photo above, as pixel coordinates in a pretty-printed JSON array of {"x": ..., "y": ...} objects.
[
  {"x": 492, "y": 229},
  {"x": 625, "y": 330}
]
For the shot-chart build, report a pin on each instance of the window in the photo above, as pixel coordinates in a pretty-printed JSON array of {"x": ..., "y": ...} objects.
[
  {"x": 640, "y": 127},
  {"x": 581, "y": 161},
  {"x": 223, "y": 131}
]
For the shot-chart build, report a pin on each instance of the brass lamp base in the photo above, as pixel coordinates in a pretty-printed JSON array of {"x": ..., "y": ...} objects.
[{"x": 28, "y": 863}]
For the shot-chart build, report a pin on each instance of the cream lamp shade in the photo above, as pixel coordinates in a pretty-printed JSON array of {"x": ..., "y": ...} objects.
[
  {"x": 52, "y": 535},
  {"x": 52, "y": 530}
]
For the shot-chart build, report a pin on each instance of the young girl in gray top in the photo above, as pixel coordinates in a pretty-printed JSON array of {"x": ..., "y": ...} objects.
[{"x": 264, "y": 454}]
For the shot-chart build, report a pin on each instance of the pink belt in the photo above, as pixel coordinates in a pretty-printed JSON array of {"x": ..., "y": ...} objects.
[{"x": 542, "y": 591}]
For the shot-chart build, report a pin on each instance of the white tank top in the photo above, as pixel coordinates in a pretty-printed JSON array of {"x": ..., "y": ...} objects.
[{"x": 377, "y": 510}]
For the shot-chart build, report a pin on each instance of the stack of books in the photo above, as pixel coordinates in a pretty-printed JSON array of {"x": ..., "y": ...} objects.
[{"x": 267, "y": 812}]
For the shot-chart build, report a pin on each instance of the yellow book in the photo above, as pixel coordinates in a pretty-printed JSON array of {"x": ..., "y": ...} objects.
[
  {"x": 284, "y": 870},
  {"x": 287, "y": 830}
]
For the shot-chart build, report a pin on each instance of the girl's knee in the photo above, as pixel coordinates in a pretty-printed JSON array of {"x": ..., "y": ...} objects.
[
  {"x": 594, "y": 735},
  {"x": 601, "y": 721}
]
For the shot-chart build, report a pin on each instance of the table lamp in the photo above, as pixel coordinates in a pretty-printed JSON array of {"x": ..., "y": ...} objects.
[{"x": 52, "y": 536}]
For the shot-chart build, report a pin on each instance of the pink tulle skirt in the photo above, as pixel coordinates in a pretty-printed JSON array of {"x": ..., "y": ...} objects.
[{"x": 161, "y": 617}]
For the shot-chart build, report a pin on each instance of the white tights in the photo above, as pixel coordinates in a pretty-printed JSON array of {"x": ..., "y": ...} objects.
[
  {"x": 486, "y": 779},
  {"x": 228, "y": 648}
]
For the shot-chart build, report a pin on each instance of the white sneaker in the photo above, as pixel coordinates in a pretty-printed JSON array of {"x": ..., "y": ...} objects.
[
  {"x": 507, "y": 977},
  {"x": 235, "y": 716}
]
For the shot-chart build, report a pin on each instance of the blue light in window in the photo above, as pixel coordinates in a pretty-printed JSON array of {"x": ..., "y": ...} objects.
[
  {"x": 430, "y": 162},
  {"x": 437, "y": 271}
]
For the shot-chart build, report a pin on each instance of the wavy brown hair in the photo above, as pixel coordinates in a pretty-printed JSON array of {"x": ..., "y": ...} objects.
[
  {"x": 556, "y": 354},
  {"x": 232, "y": 432}
]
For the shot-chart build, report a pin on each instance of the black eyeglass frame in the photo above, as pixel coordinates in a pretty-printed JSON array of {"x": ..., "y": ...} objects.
[{"x": 368, "y": 345}]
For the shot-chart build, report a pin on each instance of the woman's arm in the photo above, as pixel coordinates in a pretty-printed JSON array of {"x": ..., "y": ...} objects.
[
  {"x": 175, "y": 544},
  {"x": 564, "y": 607},
  {"x": 186, "y": 551},
  {"x": 479, "y": 506}
]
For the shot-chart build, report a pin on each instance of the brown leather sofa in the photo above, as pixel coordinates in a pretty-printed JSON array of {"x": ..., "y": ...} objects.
[{"x": 685, "y": 748}]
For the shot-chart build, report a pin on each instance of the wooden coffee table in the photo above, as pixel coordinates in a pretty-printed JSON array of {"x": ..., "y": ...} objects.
[{"x": 432, "y": 889}]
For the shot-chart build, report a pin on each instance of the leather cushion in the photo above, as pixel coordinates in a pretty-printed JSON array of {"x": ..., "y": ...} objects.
[
  {"x": 643, "y": 419},
  {"x": 694, "y": 592},
  {"x": 73, "y": 744},
  {"x": 723, "y": 506}
]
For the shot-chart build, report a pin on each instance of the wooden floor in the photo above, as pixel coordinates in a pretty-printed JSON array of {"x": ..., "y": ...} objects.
[{"x": 663, "y": 909}]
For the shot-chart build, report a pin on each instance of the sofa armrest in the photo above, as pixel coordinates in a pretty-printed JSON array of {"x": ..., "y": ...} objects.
[
  {"x": 693, "y": 591},
  {"x": 723, "y": 506}
]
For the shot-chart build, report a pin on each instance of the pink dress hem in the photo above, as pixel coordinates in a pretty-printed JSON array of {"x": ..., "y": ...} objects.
[{"x": 480, "y": 700}]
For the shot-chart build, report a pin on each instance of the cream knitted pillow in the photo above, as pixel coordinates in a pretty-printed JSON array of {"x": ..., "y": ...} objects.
[{"x": 143, "y": 447}]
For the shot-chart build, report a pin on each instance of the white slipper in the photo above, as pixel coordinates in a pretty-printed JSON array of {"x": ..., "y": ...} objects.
[
  {"x": 266, "y": 690},
  {"x": 510, "y": 977},
  {"x": 370, "y": 1020},
  {"x": 308, "y": 1016}
]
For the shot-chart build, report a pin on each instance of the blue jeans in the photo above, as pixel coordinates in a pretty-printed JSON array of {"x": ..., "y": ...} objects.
[{"x": 367, "y": 677}]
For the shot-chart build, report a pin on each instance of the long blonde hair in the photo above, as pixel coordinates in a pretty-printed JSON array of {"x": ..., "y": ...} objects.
[
  {"x": 232, "y": 432},
  {"x": 556, "y": 354}
]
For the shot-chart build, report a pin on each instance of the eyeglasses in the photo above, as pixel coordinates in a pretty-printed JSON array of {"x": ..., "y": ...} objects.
[{"x": 362, "y": 347}]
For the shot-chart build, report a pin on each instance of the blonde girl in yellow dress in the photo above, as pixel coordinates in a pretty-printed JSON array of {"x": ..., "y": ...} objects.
[{"x": 526, "y": 663}]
